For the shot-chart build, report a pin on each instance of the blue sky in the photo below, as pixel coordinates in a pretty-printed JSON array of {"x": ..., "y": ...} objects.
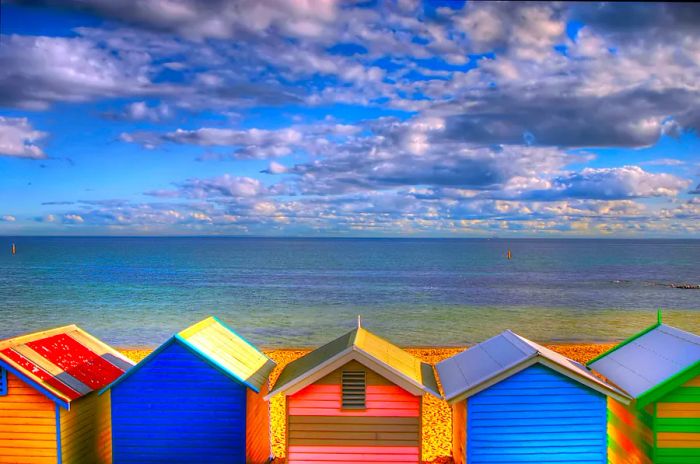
[{"x": 400, "y": 118}]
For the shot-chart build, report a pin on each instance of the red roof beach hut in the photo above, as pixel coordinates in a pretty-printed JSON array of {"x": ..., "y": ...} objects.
[
  {"x": 357, "y": 399},
  {"x": 49, "y": 409}
]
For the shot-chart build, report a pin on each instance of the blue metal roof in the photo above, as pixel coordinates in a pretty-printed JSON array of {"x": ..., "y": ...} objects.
[
  {"x": 507, "y": 352},
  {"x": 650, "y": 359}
]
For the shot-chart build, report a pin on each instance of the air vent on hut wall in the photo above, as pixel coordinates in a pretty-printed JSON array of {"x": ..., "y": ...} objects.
[{"x": 354, "y": 389}]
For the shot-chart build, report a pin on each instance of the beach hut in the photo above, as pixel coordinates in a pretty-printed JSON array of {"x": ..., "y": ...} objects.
[
  {"x": 50, "y": 411},
  {"x": 357, "y": 399},
  {"x": 516, "y": 401},
  {"x": 196, "y": 398},
  {"x": 660, "y": 368}
]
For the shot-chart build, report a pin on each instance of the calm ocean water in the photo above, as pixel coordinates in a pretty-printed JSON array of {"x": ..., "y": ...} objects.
[{"x": 302, "y": 292}]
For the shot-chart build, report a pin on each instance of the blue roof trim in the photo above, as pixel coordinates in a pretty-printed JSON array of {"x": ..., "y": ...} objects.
[
  {"x": 139, "y": 365},
  {"x": 190, "y": 347},
  {"x": 214, "y": 363},
  {"x": 38, "y": 387},
  {"x": 59, "y": 451}
]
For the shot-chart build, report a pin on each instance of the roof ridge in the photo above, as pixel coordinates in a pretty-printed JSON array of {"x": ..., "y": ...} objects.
[{"x": 21, "y": 339}]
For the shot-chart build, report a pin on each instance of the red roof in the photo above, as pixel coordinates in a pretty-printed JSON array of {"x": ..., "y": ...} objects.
[{"x": 67, "y": 362}]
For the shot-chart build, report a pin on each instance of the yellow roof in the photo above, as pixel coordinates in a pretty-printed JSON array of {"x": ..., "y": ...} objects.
[
  {"x": 394, "y": 359},
  {"x": 229, "y": 351}
]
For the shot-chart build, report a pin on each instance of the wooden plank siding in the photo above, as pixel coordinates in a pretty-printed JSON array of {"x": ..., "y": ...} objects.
[
  {"x": 539, "y": 416},
  {"x": 177, "y": 408},
  {"x": 319, "y": 430},
  {"x": 86, "y": 435},
  {"x": 630, "y": 437},
  {"x": 27, "y": 425},
  {"x": 677, "y": 425},
  {"x": 459, "y": 432},
  {"x": 258, "y": 447}
]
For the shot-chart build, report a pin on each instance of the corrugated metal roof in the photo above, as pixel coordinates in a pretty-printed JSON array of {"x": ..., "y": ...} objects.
[
  {"x": 360, "y": 340},
  {"x": 66, "y": 362},
  {"x": 229, "y": 351},
  {"x": 483, "y": 362},
  {"x": 649, "y": 359}
]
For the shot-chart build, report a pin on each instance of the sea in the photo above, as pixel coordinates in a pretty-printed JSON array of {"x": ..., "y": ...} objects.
[{"x": 303, "y": 292}]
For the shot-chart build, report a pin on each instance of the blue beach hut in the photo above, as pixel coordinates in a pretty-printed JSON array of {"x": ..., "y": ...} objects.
[
  {"x": 516, "y": 401},
  {"x": 197, "y": 398}
]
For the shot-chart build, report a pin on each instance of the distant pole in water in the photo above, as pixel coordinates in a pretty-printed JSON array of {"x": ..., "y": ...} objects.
[
  {"x": 14, "y": 248},
  {"x": 509, "y": 255}
]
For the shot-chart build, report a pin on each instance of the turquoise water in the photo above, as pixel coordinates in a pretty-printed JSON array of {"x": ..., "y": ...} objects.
[{"x": 302, "y": 292}]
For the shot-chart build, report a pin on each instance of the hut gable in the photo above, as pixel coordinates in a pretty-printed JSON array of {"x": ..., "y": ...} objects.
[
  {"x": 499, "y": 357},
  {"x": 64, "y": 364},
  {"x": 222, "y": 348},
  {"x": 651, "y": 363},
  {"x": 177, "y": 408},
  {"x": 362, "y": 346}
]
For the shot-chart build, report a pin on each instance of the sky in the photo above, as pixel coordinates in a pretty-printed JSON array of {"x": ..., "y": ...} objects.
[{"x": 325, "y": 118}]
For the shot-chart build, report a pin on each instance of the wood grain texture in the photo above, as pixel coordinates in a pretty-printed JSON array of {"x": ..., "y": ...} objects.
[
  {"x": 320, "y": 430},
  {"x": 27, "y": 425},
  {"x": 257, "y": 441},
  {"x": 86, "y": 432},
  {"x": 459, "y": 432}
]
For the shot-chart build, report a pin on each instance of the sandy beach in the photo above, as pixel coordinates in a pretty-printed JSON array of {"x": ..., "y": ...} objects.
[{"x": 437, "y": 420}]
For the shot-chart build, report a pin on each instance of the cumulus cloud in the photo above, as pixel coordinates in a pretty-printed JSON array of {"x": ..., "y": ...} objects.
[
  {"x": 8, "y": 218},
  {"x": 36, "y": 71},
  {"x": 19, "y": 139},
  {"x": 612, "y": 184}
]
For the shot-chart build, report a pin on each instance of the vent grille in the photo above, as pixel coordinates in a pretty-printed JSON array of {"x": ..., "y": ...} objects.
[
  {"x": 3, "y": 382},
  {"x": 354, "y": 389}
]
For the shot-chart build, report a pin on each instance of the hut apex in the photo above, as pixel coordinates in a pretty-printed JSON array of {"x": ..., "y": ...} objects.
[{"x": 356, "y": 399}]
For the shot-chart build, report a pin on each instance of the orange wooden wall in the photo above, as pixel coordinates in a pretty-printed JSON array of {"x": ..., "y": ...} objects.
[
  {"x": 257, "y": 443},
  {"x": 27, "y": 425}
]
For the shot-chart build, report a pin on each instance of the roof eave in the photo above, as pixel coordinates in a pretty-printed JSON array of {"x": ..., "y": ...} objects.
[
  {"x": 61, "y": 401},
  {"x": 665, "y": 387}
]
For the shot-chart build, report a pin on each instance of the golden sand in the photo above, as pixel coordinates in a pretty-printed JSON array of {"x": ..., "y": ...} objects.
[{"x": 437, "y": 419}]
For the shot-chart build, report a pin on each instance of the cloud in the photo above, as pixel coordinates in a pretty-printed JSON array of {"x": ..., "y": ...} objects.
[
  {"x": 8, "y": 218},
  {"x": 19, "y": 139},
  {"x": 218, "y": 19},
  {"x": 612, "y": 184},
  {"x": 250, "y": 143},
  {"x": 141, "y": 111},
  {"x": 36, "y": 71}
]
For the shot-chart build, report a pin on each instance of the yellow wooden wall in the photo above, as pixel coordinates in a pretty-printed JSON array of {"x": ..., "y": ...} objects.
[
  {"x": 27, "y": 425},
  {"x": 86, "y": 434},
  {"x": 630, "y": 437}
]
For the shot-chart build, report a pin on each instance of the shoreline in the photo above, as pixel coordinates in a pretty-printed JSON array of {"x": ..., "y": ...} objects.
[{"x": 437, "y": 417}]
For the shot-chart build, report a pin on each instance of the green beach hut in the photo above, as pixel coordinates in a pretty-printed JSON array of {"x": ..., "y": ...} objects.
[{"x": 660, "y": 368}]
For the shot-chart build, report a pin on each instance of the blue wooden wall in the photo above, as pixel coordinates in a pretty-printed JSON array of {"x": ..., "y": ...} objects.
[
  {"x": 177, "y": 408},
  {"x": 537, "y": 416}
]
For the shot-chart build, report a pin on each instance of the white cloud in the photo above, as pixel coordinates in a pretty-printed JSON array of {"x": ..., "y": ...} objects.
[{"x": 19, "y": 139}]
